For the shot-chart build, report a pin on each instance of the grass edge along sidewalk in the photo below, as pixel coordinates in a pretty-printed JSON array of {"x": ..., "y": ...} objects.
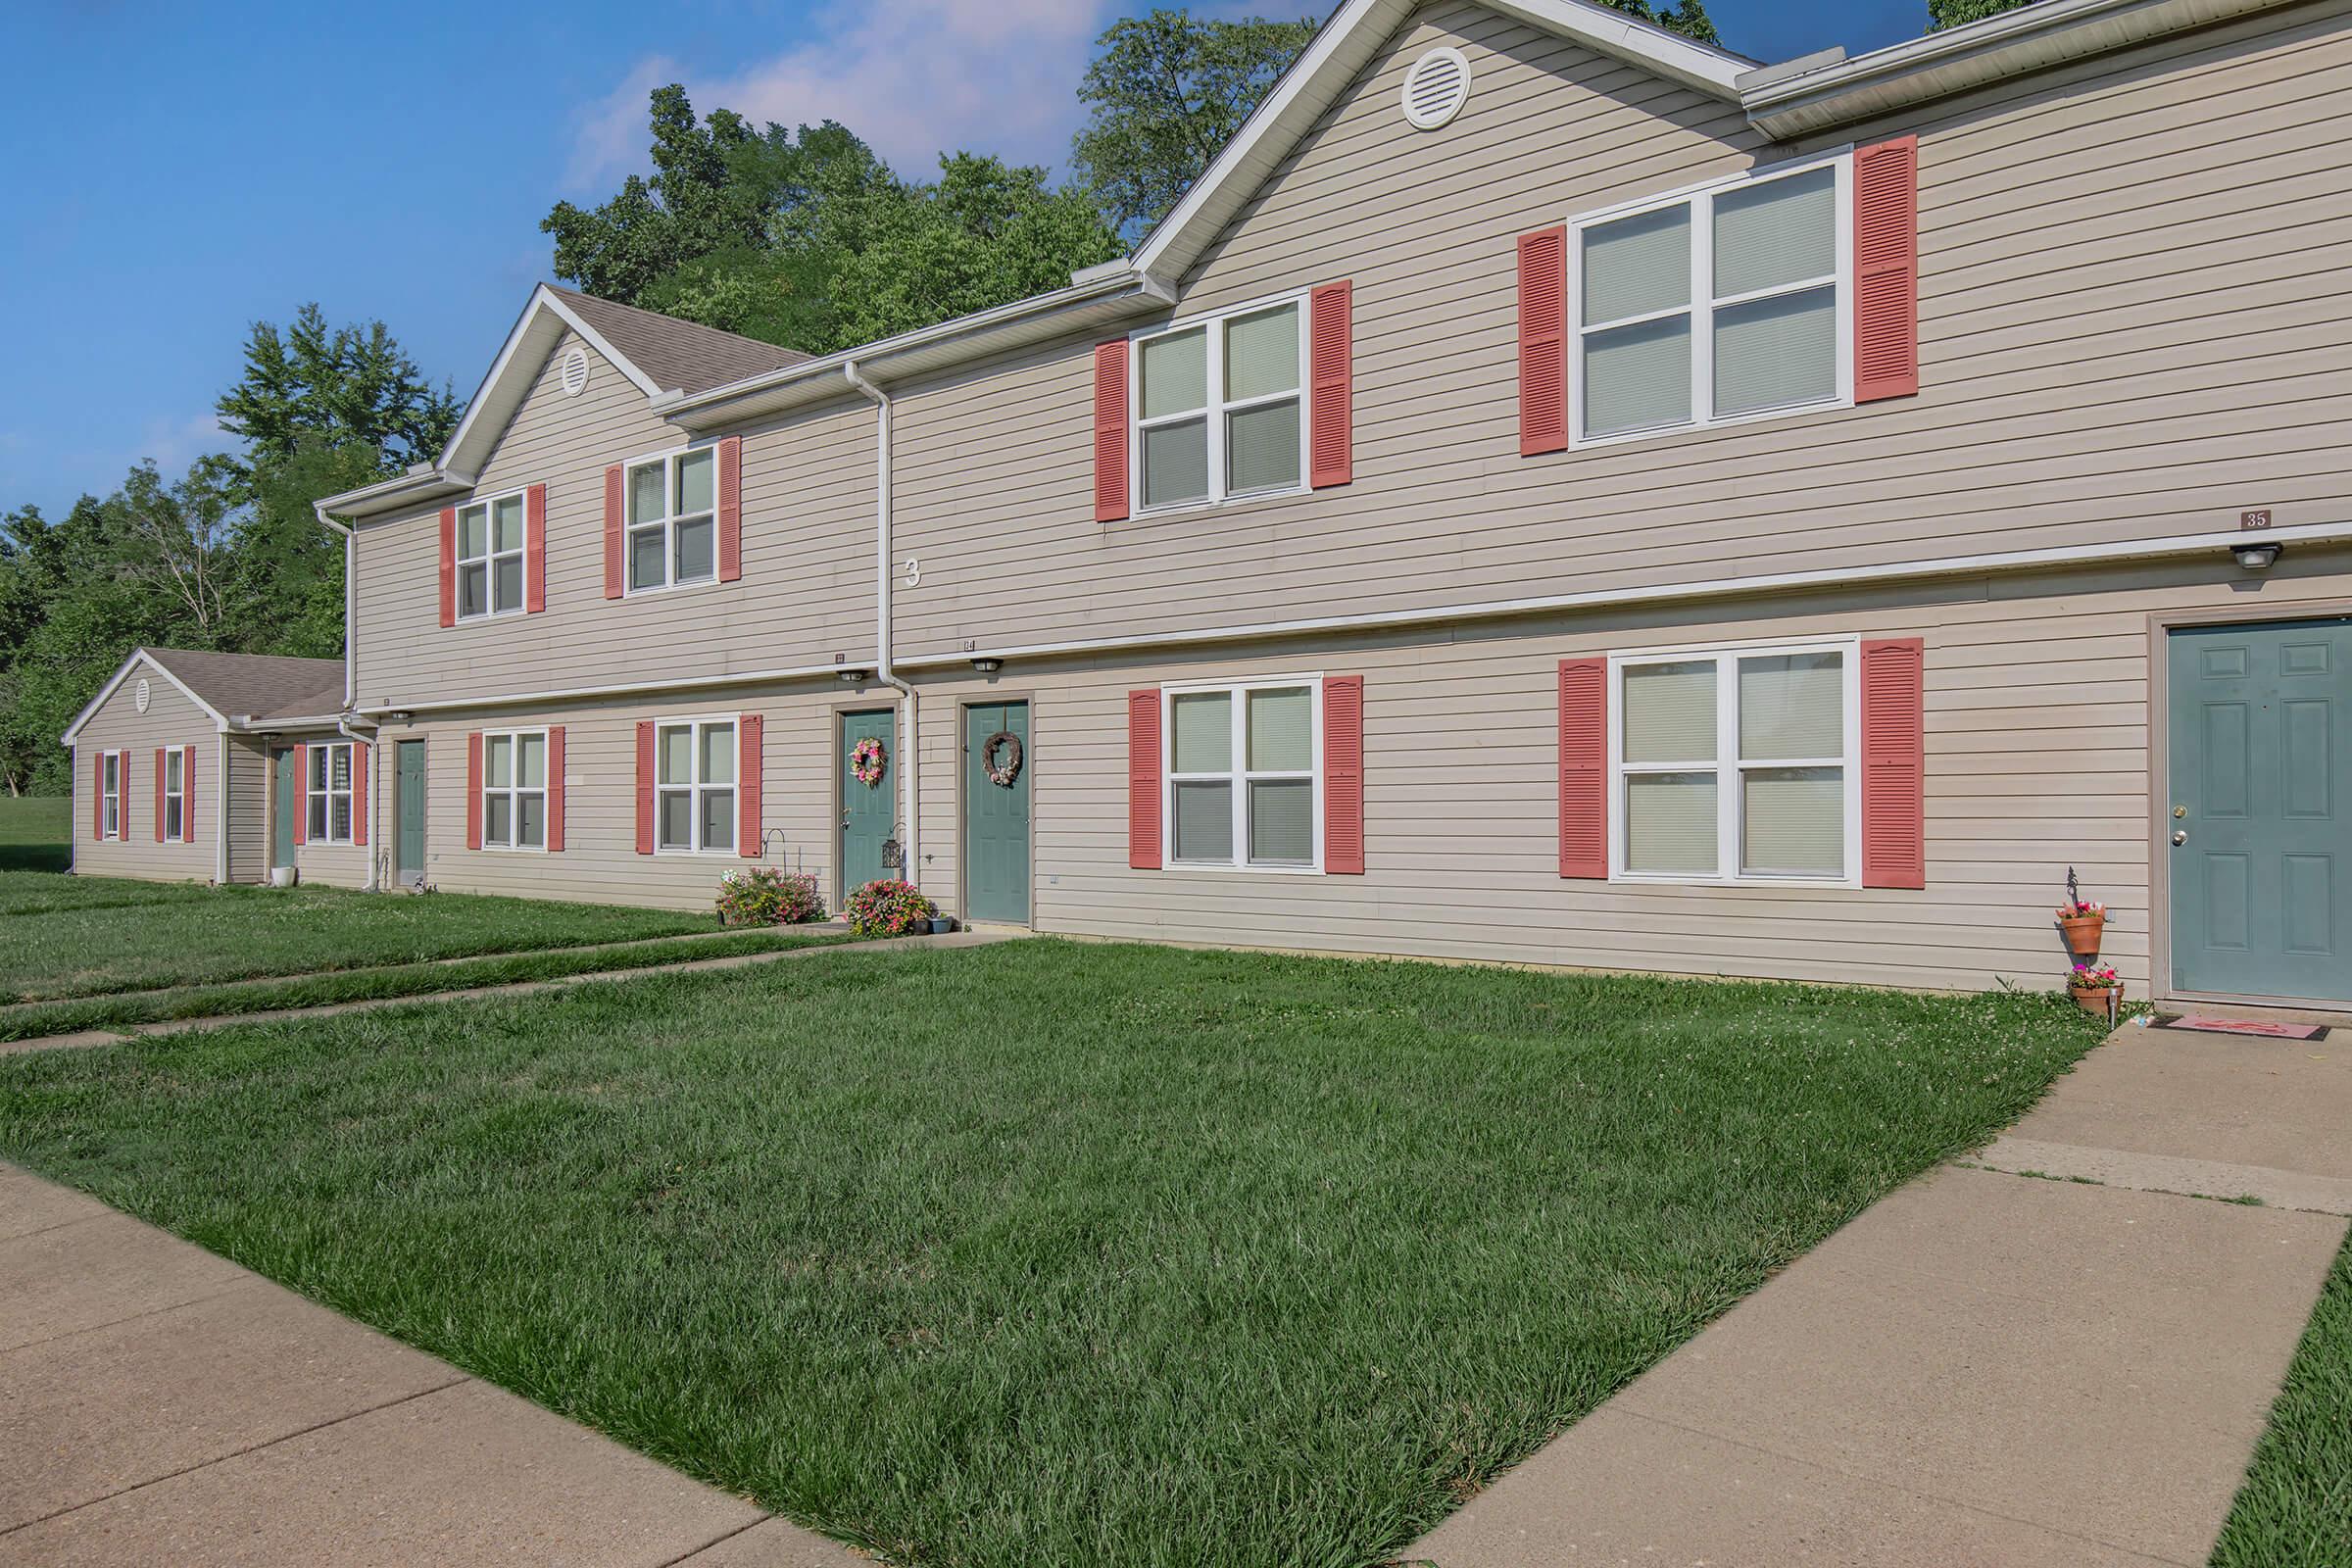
[
  {"x": 2294, "y": 1508},
  {"x": 1053, "y": 1252}
]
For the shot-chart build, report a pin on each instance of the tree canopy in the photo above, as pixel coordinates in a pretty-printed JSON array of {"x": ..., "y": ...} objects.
[{"x": 1943, "y": 13}]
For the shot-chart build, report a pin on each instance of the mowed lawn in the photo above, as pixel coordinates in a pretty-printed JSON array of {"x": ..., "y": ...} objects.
[
  {"x": 1051, "y": 1252},
  {"x": 82, "y": 936},
  {"x": 2295, "y": 1508}
]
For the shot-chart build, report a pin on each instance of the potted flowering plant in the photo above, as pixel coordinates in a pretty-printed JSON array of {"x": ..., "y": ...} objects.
[
  {"x": 889, "y": 908},
  {"x": 2081, "y": 922},
  {"x": 2096, "y": 986},
  {"x": 767, "y": 895}
]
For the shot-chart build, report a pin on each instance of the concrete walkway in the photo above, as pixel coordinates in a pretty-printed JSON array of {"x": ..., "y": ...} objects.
[
  {"x": 1987, "y": 1368},
  {"x": 158, "y": 1405}
]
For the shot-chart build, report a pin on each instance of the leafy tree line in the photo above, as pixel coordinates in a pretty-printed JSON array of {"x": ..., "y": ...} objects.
[{"x": 228, "y": 556}]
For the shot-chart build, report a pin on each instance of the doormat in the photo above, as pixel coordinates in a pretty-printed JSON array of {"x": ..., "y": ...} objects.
[{"x": 2245, "y": 1026}]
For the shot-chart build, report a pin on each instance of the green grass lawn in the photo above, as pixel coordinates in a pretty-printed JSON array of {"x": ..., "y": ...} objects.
[
  {"x": 1049, "y": 1253},
  {"x": 34, "y": 833},
  {"x": 2295, "y": 1507}
]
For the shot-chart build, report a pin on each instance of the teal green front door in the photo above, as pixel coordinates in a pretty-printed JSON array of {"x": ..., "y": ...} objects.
[
  {"x": 409, "y": 826},
  {"x": 289, "y": 800},
  {"x": 869, "y": 811},
  {"x": 996, "y": 816},
  {"x": 2259, "y": 822}
]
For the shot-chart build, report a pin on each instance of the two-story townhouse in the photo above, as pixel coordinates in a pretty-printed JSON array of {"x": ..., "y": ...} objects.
[{"x": 1554, "y": 492}]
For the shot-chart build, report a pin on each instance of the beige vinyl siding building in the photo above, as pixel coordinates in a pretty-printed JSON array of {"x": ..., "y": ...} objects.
[{"x": 172, "y": 722}]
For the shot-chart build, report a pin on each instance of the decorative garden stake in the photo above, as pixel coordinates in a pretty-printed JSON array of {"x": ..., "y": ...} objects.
[
  {"x": 2081, "y": 922},
  {"x": 2096, "y": 988}
]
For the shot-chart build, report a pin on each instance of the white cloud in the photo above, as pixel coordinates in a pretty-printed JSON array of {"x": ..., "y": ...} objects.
[
  {"x": 914, "y": 78},
  {"x": 174, "y": 443}
]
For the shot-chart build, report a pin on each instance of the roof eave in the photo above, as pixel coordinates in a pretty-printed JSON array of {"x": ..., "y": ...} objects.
[
  {"x": 2014, "y": 43},
  {"x": 138, "y": 655},
  {"x": 396, "y": 493}
]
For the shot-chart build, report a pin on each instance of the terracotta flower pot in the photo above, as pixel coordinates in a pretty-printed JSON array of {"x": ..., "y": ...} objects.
[
  {"x": 2095, "y": 999},
  {"x": 2082, "y": 932}
]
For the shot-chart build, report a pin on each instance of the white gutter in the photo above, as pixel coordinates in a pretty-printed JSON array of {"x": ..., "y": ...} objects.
[
  {"x": 910, "y": 753},
  {"x": 343, "y": 727},
  {"x": 350, "y": 610},
  {"x": 220, "y": 815}
]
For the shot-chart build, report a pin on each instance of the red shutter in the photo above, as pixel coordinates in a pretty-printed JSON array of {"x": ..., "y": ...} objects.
[
  {"x": 448, "y": 569},
  {"x": 187, "y": 805},
  {"x": 1110, "y": 431},
  {"x": 534, "y": 549},
  {"x": 1331, "y": 358},
  {"x": 645, "y": 786},
  {"x": 359, "y": 791},
  {"x": 612, "y": 531},
  {"x": 98, "y": 796},
  {"x": 555, "y": 789},
  {"x": 158, "y": 793},
  {"x": 751, "y": 756},
  {"x": 730, "y": 509},
  {"x": 1894, "y": 763},
  {"x": 301, "y": 795},
  {"x": 1344, "y": 775},
  {"x": 1584, "y": 768},
  {"x": 1543, "y": 341},
  {"x": 473, "y": 790},
  {"x": 1887, "y": 270},
  {"x": 1143, "y": 780}
]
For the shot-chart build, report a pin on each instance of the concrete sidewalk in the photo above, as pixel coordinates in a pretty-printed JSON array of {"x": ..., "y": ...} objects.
[
  {"x": 1989, "y": 1367},
  {"x": 158, "y": 1405}
]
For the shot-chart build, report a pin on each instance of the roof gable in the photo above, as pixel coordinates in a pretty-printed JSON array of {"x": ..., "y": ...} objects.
[{"x": 230, "y": 687}]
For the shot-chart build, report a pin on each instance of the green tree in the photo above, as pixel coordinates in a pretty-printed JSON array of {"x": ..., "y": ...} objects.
[
  {"x": 1943, "y": 13},
  {"x": 1165, "y": 92},
  {"x": 1690, "y": 18},
  {"x": 350, "y": 384}
]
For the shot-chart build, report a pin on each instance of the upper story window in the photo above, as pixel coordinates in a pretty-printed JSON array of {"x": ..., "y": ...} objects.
[
  {"x": 695, "y": 786},
  {"x": 674, "y": 520},
  {"x": 1737, "y": 766},
  {"x": 515, "y": 790},
  {"x": 110, "y": 795},
  {"x": 489, "y": 557},
  {"x": 1730, "y": 302},
  {"x": 176, "y": 795},
  {"x": 327, "y": 793},
  {"x": 1218, "y": 410},
  {"x": 1243, "y": 776}
]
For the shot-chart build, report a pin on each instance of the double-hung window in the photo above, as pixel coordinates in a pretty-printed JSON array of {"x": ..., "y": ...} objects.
[
  {"x": 674, "y": 520},
  {"x": 1245, "y": 781},
  {"x": 176, "y": 795},
  {"x": 1731, "y": 301},
  {"x": 515, "y": 790},
  {"x": 1218, "y": 408},
  {"x": 327, "y": 793},
  {"x": 110, "y": 795},
  {"x": 695, "y": 786},
  {"x": 1737, "y": 766},
  {"x": 489, "y": 559}
]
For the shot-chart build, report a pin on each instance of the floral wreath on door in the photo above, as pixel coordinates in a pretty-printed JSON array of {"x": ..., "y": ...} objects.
[{"x": 868, "y": 762}]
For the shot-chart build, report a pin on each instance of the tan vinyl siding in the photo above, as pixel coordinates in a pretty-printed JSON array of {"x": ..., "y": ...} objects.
[
  {"x": 807, "y": 591},
  {"x": 248, "y": 810},
  {"x": 171, "y": 720},
  {"x": 342, "y": 866},
  {"x": 599, "y": 862},
  {"x": 2037, "y": 733},
  {"x": 2133, "y": 324}
]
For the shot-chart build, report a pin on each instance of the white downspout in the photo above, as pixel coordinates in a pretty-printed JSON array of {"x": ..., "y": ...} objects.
[
  {"x": 375, "y": 844},
  {"x": 220, "y": 815},
  {"x": 910, "y": 763},
  {"x": 351, "y": 686}
]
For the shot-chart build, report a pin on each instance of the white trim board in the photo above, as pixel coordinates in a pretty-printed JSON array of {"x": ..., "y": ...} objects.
[{"x": 137, "y": 657}]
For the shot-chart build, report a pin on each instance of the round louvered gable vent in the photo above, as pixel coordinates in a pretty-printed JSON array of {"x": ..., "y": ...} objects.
[
  {"x": 1436, "y": 88},
  {"x": 575, "y": 372}
]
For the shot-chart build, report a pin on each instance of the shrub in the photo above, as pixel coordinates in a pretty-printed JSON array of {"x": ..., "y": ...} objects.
[
  {"x": 767, "y": 895},
  {"x": 888, "y": 907}
]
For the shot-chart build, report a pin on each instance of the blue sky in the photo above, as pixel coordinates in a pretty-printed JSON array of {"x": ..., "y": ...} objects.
[{"x": 178, "y": 172}]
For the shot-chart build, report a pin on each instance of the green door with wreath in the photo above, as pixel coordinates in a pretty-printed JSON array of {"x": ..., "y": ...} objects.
[
  {"x": 868, "y": 810},
  {"x": 996, "y": 812}
]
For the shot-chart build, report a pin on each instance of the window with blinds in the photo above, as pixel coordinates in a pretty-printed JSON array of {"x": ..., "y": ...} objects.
[
  {"x": 1721, "y": 304},
  {"x": 1244, "y": 774},
  {"x": 1737, "y": 765},
  {"x": 1218, "y": 408}
]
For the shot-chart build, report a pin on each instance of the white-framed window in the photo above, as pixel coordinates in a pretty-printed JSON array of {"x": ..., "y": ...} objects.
[
  {"x": 1220, "y": 407},
  {"x": 1728, "y": 302},
  {"x": 1243, "y": 763},
  {"x": 490, "y": 545},
  {"x": 674, "y": 520},
  {"x": 110, "y": 795},
  {"x": 515, "y": 790},
  {"x": 176, "y": 795},
  {"x": 327, "y": 793},
  {"x": 694, "y": 786},
  {"x": 1737, "y": 764}
]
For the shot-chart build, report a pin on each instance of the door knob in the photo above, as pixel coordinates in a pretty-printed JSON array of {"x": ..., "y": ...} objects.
[{"x": 2181, "y": 836}]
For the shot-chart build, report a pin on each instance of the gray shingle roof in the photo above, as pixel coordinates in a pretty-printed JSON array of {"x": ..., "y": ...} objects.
[
  {"x": 265, "y": 685},
  {"x": 680, "y": 356}
]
